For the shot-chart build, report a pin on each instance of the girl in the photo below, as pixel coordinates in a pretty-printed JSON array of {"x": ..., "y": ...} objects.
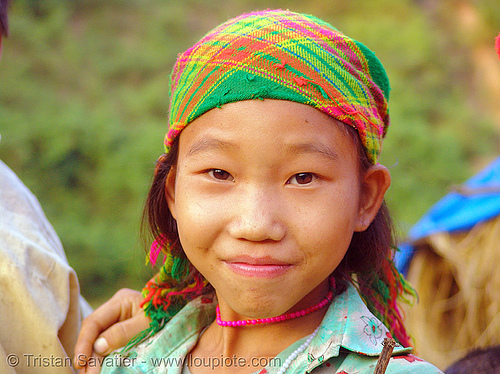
[{"x": 268, "y": 204}]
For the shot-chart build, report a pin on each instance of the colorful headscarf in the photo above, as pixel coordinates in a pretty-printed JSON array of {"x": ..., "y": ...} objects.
[{"x": 278, "y": 54}]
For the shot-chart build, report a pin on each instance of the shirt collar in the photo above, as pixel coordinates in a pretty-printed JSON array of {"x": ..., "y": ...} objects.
[
  {"x": 177, "y": 338},
  {"x": 350, "y": 325}
]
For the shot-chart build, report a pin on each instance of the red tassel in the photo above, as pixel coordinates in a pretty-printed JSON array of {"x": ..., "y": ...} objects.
[{"x": 497, "y": 45}]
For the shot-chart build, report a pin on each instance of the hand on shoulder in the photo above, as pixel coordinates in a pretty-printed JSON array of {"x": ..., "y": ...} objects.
[{"x": 109, "y": 327}]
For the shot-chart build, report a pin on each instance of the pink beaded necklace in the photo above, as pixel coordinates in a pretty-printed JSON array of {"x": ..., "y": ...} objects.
[{"x": 283, "y": 317}]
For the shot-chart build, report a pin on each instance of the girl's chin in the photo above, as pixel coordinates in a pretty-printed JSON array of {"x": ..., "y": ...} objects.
[{"x": 256, "y": 308}]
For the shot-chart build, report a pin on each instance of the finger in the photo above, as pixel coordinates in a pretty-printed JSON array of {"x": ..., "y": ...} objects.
[
  {"x": 120, "y": 334},
  {"x": 121, "y": 306},
  {"x": 92, "y": 327},
  {"x": 83, "y": 347}
]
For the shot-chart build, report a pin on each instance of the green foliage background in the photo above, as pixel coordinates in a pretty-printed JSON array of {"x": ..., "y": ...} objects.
[{"x": 84, "y": 99}]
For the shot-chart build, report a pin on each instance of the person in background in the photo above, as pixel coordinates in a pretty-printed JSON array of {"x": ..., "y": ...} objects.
[{"x": 41, "y": 309}]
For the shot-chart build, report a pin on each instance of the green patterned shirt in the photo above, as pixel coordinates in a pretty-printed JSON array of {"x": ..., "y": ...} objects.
[{"x": 349, "y": 341}]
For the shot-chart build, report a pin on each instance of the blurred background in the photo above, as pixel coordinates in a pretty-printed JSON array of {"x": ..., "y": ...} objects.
[{"x": 84, "y": 101}]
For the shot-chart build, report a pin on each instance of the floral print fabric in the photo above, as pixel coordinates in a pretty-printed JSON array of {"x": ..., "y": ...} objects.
[{"x": 349, "y": 341}]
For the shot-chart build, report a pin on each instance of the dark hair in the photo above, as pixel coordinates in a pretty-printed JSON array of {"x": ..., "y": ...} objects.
[
  {"x": 157, "y": 220},
  {"x": 367, "y": 263},
  {"x": 369, "y": 249},
  {"x": 4, "y": 22}
]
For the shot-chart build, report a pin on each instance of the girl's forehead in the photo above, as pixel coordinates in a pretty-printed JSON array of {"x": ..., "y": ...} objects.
[
  {"x": 265, "y": 116},
  {"x": 284, "y": 126}
]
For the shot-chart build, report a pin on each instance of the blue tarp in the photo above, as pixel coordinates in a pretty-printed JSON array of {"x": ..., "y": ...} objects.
[{"x": 478, "y": 200}]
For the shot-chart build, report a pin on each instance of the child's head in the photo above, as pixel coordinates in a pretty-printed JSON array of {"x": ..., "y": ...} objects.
[
  {"x": 4, "y": 24},
  {"x": 295, "y": 112},
  {"x": 478, "y": 361}
]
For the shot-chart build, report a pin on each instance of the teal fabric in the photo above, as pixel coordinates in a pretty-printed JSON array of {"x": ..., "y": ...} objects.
[{"x": 349, "y": 341}]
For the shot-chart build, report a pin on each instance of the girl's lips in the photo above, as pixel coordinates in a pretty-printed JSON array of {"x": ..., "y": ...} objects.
[{"x": 258, "y": 267}]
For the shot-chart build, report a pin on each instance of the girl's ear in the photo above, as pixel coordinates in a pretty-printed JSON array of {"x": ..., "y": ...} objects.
[
  {"x": 375, "y": 183},
  {"x": 170, "y": 190}
]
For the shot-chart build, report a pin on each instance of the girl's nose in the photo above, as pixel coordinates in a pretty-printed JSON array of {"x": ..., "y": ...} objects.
[{"x": 256, "y": 217}]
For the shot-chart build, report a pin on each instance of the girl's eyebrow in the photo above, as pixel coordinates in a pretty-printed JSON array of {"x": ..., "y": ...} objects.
[
  {"x": 208, "y": 144},
  {"x": 314, "y": 148}
]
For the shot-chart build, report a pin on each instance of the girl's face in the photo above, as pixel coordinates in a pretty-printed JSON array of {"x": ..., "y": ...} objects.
[{"x": 267, "y": 195}]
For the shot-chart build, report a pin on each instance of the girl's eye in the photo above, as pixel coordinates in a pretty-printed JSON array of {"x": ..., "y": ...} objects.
[
  {"x": 302, "y": 178},
  {"x": 220, "y": 174}
]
